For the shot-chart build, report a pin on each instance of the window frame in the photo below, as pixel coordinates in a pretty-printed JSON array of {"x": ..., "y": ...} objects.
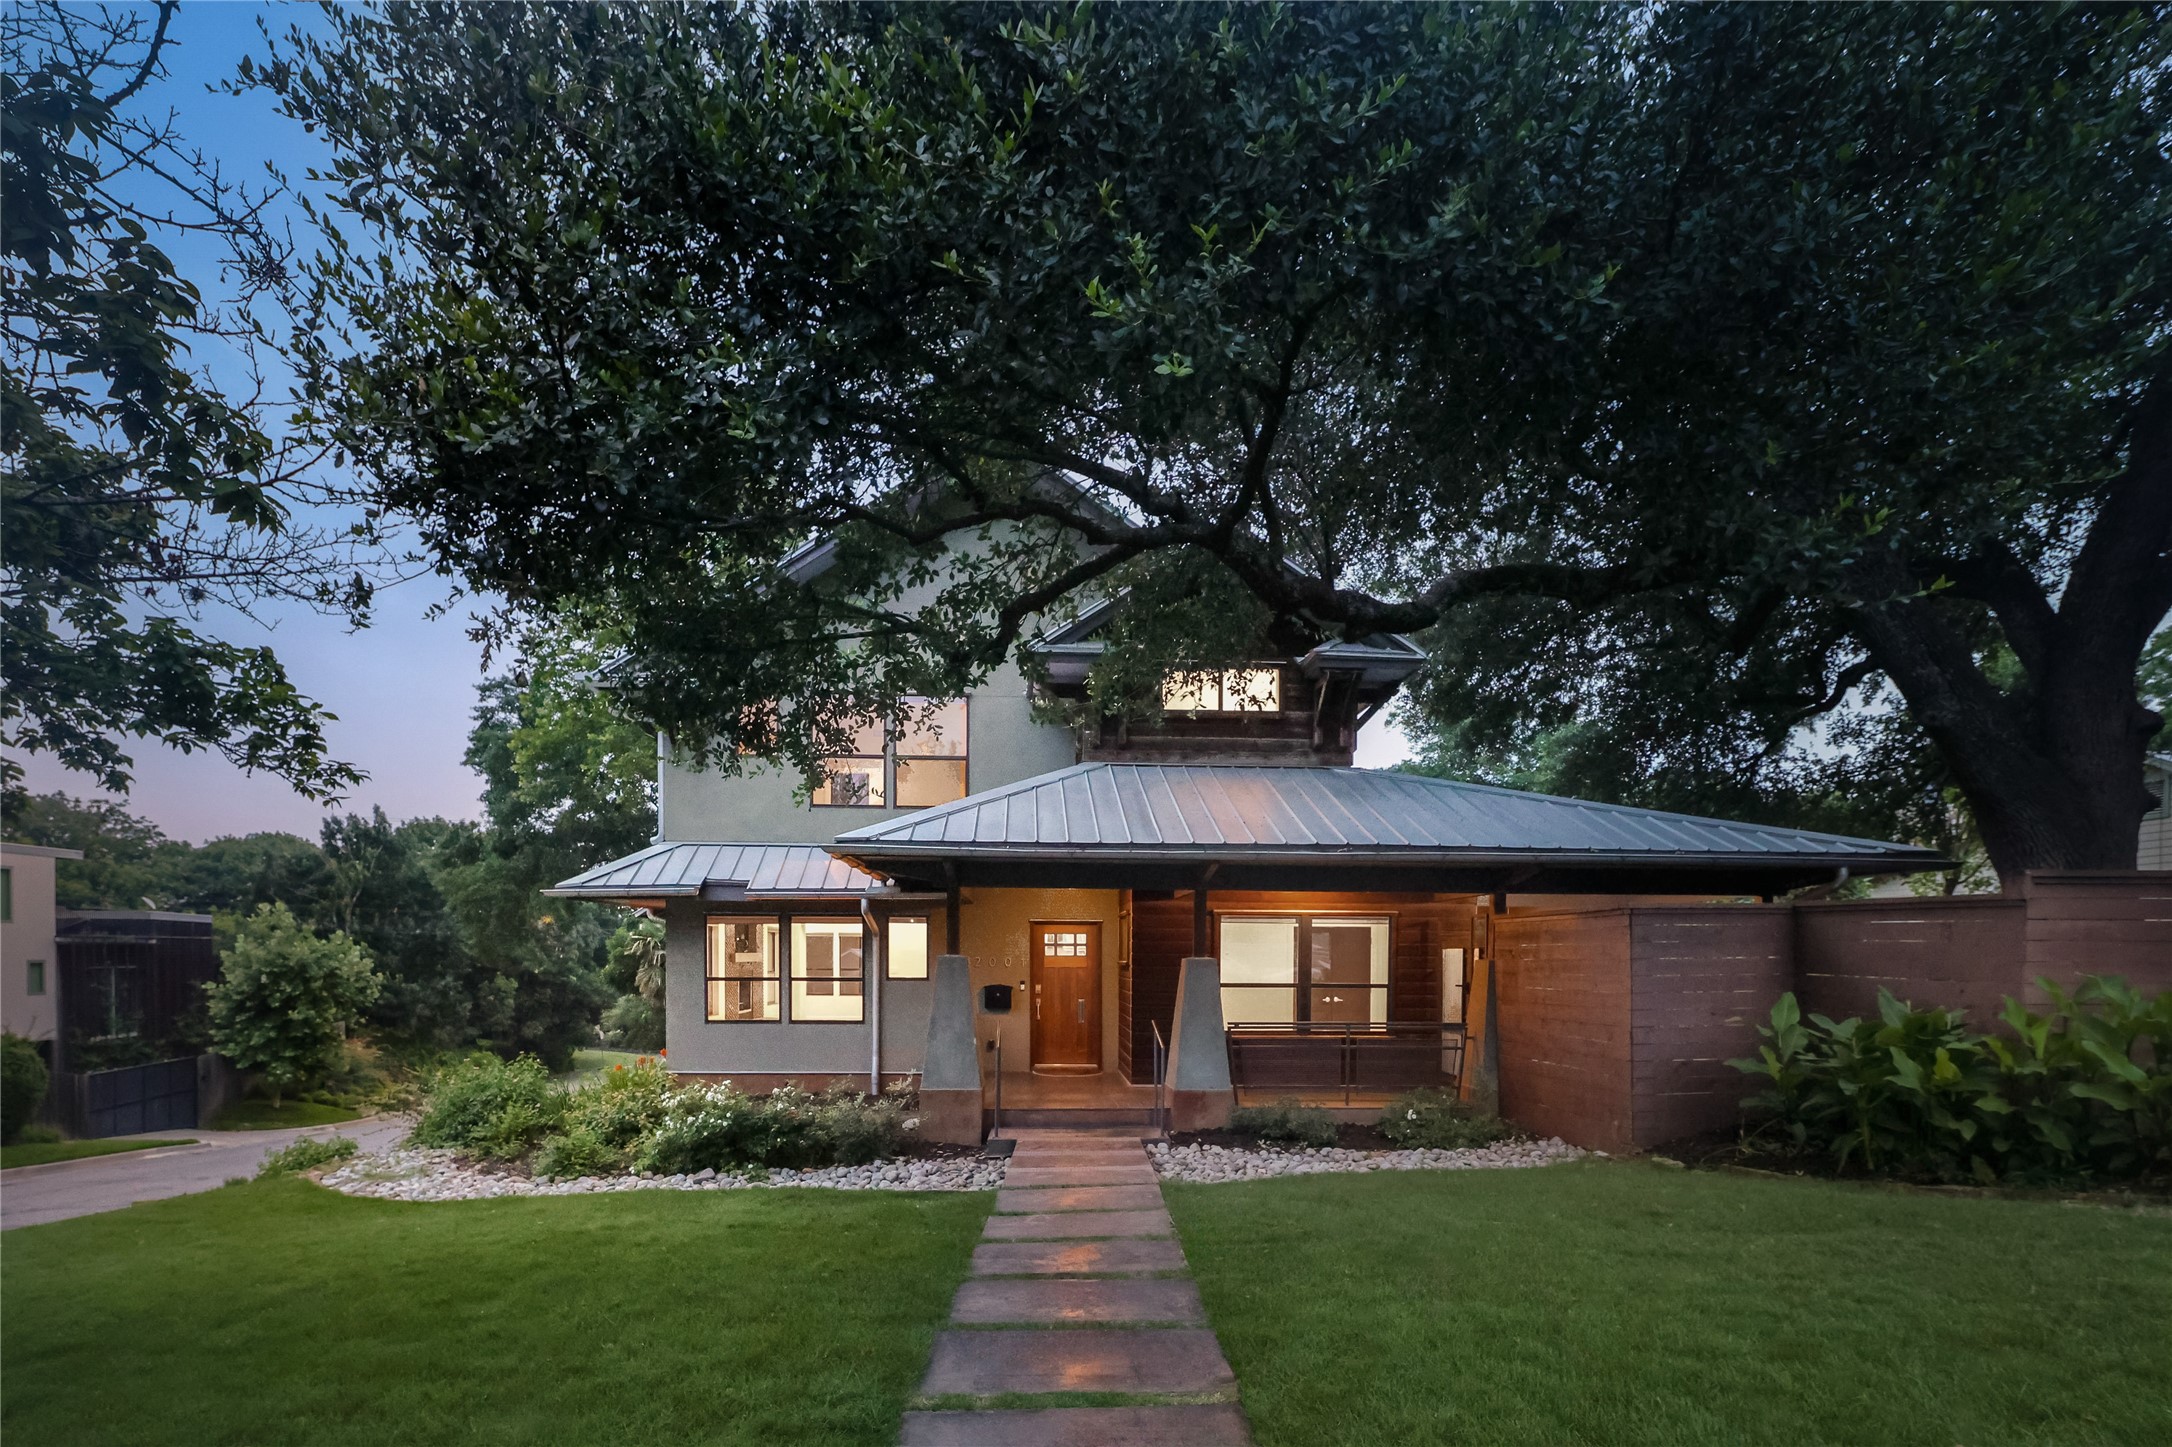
[
  {"x": 775, "y": 979},
  {"x": 1218, "y": 680},
  {"x": 886, "y": 764},
  {"x": 794, "y": 979},
  {"x": 1301, "y": 987},
  {"x": 33, "y": 977}
]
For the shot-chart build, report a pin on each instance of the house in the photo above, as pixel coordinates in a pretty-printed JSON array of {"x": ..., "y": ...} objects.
[
  {"x": 29, "y": 960},
  {"x": 1084, "y": 922},
  {"x": 2153, "y": 847}
]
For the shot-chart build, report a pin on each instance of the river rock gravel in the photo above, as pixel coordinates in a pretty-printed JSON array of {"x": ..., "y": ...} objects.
[
  {"x": 420, "y": 1174},
  {"x": 1205, "y": 1164}
]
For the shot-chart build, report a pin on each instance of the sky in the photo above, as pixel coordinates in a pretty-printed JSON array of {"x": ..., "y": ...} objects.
[{"x": 402, "y": 689}]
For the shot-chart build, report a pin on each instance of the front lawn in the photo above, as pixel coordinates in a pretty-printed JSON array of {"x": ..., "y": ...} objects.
[
  {"x": 1625, "y": 1303},
  {"x": 40, "y": 1153},
  {"x": 280, "y": 1312},
  {"x": 254, "y": 1114}
]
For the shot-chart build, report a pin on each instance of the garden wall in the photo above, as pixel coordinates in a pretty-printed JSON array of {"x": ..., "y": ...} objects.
[{"x": 1616, "y": 1025}]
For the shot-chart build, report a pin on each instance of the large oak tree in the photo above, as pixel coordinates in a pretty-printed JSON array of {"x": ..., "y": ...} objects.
[{"x": 1800, "y": 351}]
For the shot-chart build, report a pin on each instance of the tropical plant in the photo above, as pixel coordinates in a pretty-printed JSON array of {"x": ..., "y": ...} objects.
[
  {"x": 2082, "y": 1089},
  {"x": 285, "y": 997}
]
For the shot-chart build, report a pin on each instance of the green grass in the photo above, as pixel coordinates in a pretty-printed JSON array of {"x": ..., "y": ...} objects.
[
  {"x": 256, "y": 1114},
  {"x": 281, "y": 1312},
  {"x": 39, "y": 1153},
  {"x": 588, "y": 1064},
  {"x": 1628, "y": 1304}
]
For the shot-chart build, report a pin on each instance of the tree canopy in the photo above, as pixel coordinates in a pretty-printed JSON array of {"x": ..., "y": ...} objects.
[
  {"x": 140, "y": 488},
  {"x": 1717, "y": 369}
]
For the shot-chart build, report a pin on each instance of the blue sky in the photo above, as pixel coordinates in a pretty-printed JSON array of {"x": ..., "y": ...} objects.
[{"x": 402, "y": 688}]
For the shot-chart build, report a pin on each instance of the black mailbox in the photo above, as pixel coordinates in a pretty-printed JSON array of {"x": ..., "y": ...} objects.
[{"x": 995, "y": 999}]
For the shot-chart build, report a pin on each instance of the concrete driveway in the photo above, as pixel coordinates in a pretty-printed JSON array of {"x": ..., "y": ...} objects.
[{"x": 31, "y": 1195}]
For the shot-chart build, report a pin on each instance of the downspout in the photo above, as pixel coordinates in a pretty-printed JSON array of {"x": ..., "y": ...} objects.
[
  {"x": 871, "y": 969},
  {"x": 663, "y": 758}
]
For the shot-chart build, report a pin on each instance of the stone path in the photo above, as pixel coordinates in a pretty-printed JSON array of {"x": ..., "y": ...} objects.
[{"x": 1078, "y": 1285}]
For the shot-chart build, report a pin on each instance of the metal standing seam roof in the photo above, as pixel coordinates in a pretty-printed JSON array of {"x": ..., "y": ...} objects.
[
  {"x": 785, "y": 871},
  {"x": 1117, "y": 810}
]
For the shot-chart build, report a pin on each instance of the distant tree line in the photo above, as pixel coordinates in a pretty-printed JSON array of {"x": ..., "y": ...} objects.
[{"x": 471, "y": 954}]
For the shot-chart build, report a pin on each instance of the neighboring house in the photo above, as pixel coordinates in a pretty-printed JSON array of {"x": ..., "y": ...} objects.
[
  {"x": 29, "y": 961},
  {"x": 1346, "y": 917},
  {"x": 2153, "y": 848},
  {"x": 133, "y": 980}
]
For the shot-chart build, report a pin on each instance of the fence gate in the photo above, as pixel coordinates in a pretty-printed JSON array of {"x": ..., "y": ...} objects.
[{"x": 131, "y": 1101}]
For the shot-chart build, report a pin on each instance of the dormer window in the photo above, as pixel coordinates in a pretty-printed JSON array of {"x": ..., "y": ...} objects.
[
  {"x": 1230, "y": 690},
  {"x": 925, "y": 765}
]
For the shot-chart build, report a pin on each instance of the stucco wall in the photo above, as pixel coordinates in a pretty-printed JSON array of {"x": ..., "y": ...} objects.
[
  {"x": 28, "y": 936},
  {"x": 1003, "y": 745},
  {"x": 994, "y": 934}
]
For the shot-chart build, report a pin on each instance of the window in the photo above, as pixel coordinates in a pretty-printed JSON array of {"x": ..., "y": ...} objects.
[
  {"x": 827, "y": 977},
  {"x": 34, "y": 978},
  {"x": 925, "y": 765},
  {"x": 7, "y": 896},
  {"x": 1233, "y": 690},
  {"x": 856, "y": 778},
  {"x": 1344, "y": 975},
  {"x": 907, "y": 955},
  {"x": 931, "y": 758},
  {"x": 743, "y": 969}
]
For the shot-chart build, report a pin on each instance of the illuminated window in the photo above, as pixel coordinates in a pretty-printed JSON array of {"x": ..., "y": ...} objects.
[
  {"x": 926, "y": 765},
  {"x": 857, "y": 777},
  {"x": 827, "y": 979},
  {"x": 1343, "y": 979},
  {"x": 907, "y": 954},
  {"x": 931, "y": 757},
  {"x": 743, "y": 970},
  {"x": 1233, "y": 690}
]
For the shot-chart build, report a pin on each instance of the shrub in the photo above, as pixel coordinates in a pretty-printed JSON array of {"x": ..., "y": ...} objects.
[
  {"x": 633, "y": 1023},
  {"x": 719, "y": 1128},
  {"x": 1285, "y": 1120},
  {"x": 1436, "y": 1120},
  {"x": 284, "y": 998},
  {"x": 577, "y": 1151},
  {"x": 306, "y": 1154},
  {"x": 23, "y": 1081},
  {"x": 492, "y": 1107},
  {"x": 2082, "y": 1089},
  {"x": 604, "y": 1121}
]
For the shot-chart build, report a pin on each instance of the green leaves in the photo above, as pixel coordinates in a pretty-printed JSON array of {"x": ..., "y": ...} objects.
[
  {"x": 2084, "y": 1089},
  {"x": 285, "y": 997}
]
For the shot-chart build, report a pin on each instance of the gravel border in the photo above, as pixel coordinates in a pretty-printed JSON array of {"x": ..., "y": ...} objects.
[
  {"x": 1208, "y": 1165},
  {"x": 422, "y": 1174}
]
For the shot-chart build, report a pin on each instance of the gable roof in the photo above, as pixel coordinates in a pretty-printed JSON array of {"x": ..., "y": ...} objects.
[
  {"x": 720, "y": 871},
  {"x": 1325, "y": 816}
]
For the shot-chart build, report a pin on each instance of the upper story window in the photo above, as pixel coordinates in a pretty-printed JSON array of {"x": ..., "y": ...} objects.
[
  {"x": 925, "y": 764},
  {"x": 1231, "y": 690}
]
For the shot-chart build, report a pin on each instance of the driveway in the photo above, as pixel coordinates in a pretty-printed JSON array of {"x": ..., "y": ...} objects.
[{"x": 31, "y": 1195}]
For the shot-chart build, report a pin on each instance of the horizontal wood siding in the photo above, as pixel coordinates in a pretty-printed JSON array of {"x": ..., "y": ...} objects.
[
  {"x": 1564, "y": 1008},
  {"x": 1161, "y": 936},
  {"x": 2098, "y": 924},
  {"x": 1701, "y": 979},
  {"x": 1963, "y": 953}
]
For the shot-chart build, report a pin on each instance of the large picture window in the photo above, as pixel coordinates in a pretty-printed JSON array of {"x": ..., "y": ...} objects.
[
  {"x": 925, "y": 764},
  {"x": 1282, "y": 969},
  {"x": 743, "y": 969},
  {"x": 828, "y": 981}
]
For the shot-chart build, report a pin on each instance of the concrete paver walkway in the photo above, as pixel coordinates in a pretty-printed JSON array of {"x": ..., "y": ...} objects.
[{"x": 1077, "y": 1286}]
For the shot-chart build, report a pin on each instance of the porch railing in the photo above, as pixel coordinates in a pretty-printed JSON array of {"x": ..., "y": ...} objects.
[
  {"x": 1321, "y": 1055},
  {"x": 1161, "y": 1071}
]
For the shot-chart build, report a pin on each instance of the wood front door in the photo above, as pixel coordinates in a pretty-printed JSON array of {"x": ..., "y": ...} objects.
[{"x": 1067, "y": 996}]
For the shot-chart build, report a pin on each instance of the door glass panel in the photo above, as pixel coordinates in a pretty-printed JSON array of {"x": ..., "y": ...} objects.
[
  {"x": 1258, "y": 1004},
  {"x": 1348, "y": 970}
]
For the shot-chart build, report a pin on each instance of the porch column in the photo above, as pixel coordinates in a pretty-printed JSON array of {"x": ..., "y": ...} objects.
[
  {"x": 950, "y": 1070},
  {"x": 1200, "y": 1097}
]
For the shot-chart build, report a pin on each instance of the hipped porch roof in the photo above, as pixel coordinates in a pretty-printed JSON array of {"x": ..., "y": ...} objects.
[{"x": 1266, "y": 827}]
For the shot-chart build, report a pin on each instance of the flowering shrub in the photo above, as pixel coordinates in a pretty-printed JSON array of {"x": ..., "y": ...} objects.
[{"x": 1437, "y": 1120}]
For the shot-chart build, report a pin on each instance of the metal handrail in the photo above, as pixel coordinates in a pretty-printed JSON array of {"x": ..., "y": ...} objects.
[
  {"x": 997, "y": 1129},
  {"x": 1349, "y": 1036},
  {"x": 1161, "y": 1065}
]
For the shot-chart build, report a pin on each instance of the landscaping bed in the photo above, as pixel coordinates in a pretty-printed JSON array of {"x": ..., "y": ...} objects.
[
  {"x": 1206, "y": 1163},
  {"x": 419, "y": 1173}
]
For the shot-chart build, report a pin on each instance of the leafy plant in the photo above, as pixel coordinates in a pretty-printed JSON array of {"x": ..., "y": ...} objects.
[
  {"x": 23, "y": 1082},
  {"x": 605, "y": 1120},
  {"x": 720, "y": 1128},
  {"x": 1286, "y": 1120},
  {"x": 1438, "y": 1120},
  {"x": 306, "y": 1154},
  {"x": 285, "y": 997},
  {"x": 2083, "y": 1089},
  {"x": 491, "y": 1107}
]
